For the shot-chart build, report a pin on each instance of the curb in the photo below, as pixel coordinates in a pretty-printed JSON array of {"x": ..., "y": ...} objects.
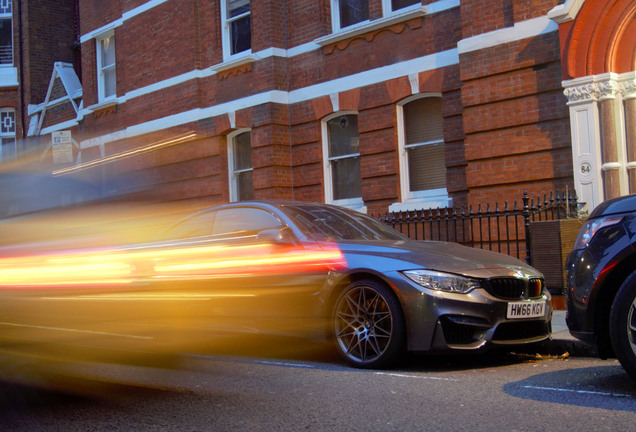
[{"x": 574, "y": 347}]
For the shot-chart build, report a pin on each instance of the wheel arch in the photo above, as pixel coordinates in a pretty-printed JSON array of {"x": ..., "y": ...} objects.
[
  {"x": 603, "y": 296},
  {"x": 346, "y": 280}
]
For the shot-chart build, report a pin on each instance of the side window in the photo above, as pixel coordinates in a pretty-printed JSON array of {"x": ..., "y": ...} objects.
[
  {"x": 237, "y": 32},
  {"x": 244, "y": 219},
  {"x": 6, "y": 33},
  {"x": 345, "y": 13},
  {"x": 341, "y": 150},
  {"x": 7, "y": 134},
  {"x": 198, "y": 225},
  {"x": 106, "y": 68},
  {"x": 240, "y": 169}
]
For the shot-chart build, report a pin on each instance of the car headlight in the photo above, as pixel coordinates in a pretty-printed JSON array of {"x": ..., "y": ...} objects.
[
  {"x": 589, "y": 230},
  {"x": 439, "y": 281}
]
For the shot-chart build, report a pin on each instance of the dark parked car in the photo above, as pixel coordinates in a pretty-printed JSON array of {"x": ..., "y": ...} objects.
[
  {"x": 283, "y": 266},
  {"x": 601, "y": 282}
]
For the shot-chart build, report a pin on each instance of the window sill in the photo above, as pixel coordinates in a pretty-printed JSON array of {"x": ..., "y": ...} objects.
[
  {"x": 422, "y": 204},
  {"x": 8, "y": 76},
  {"x": 232, "y": 62},
  {"x": 103, "y": 105},
  {"x": 352, "y": 204},
  {"x": 369, "y": 26}
]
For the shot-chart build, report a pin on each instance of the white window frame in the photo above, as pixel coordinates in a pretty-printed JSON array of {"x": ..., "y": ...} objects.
[
  {"x": 226, "y": 25},
  {"x": 101, "y": 86},
  {"x": 9, "y": 16},
  {"x": 417, "y": 200},
  {"x": 232, "y": 172},
  {"x": 386, "y": 8},
  {"x": 386, "y": 12},
  {"x": 352, "y": 203},
  {"x": 8, "y": 134},
  {"x": 335, "y": 17}
]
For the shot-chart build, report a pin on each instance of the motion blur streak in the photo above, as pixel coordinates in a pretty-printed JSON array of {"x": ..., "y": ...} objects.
[
  {"x": 248, "y": 259},
  {"x": 140, "y": 264},
  {"x": 51, "y": 271},
  {"x": 127, "y": 154}
]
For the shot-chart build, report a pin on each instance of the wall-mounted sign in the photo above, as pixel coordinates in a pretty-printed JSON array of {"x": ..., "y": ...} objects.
[{"x": 62, "y": 145}]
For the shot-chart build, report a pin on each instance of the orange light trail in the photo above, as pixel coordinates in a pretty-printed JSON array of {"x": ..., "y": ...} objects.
[{"x": 142, "y": 263}]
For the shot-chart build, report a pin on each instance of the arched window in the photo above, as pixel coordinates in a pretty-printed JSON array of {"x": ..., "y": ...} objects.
[
  {"x": 7, "y": 134},
  {"x": 240, "y": 166},
  {"x": 341, "y": 152},
  {"x": 422, "y": 153}
]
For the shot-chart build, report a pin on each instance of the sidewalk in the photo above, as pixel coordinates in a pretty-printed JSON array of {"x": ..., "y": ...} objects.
[{"x": 563, "y": 341}]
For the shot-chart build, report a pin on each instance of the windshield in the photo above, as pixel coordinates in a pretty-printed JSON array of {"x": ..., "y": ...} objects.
[{"x": 332, "y": 223}]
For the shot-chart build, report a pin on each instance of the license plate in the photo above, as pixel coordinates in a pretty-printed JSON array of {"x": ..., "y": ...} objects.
[{"x": 518, "y": 310}]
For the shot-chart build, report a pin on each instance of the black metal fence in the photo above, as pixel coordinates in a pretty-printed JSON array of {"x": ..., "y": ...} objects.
[{"x": 504, "y": 229}]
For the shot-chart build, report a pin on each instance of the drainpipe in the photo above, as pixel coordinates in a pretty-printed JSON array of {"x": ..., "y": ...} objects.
[{"x": 21, "y": 73}]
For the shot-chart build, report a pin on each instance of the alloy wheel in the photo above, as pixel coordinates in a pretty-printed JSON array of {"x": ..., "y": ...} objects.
[
  {"x": 363, "y": 324},
  {"x": 631, "y": 326}
]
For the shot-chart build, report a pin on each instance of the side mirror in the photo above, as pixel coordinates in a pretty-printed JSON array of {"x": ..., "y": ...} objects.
[{"x": 280, "y": 236}]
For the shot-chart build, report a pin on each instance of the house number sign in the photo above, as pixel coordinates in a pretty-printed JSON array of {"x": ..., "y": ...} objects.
[{"x": 586, "y": 168}]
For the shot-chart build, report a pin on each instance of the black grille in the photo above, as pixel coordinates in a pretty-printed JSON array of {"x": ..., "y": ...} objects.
[
  {"x": 462, "y": 330},
  {"x": 511, "y": 331},
  {"x": 515, "y": 288}
]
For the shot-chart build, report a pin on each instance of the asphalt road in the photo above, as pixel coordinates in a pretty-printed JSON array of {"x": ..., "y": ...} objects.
[{"x": 497, "y": 391}]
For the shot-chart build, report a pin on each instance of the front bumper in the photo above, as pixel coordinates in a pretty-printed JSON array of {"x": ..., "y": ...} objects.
[{"x": 440, "y": 321}]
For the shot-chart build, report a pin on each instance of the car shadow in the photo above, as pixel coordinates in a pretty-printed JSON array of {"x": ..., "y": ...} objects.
[{"x": 607, "y": 387}]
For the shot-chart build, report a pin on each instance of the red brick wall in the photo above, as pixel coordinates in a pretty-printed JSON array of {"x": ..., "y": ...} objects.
[
  {"x": 515, "y": 119},
  {"x": 311, "y": 18},
  {"x": 45, "y": 42},
  {"x": 42, "y": 41},
  {"x": 171, "y": 49},
  {"x": 483, "y": 16},
  {"x": 98, "y": 14}
]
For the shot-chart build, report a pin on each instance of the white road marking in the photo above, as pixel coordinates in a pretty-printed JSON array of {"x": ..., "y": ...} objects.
[
  {"x": 415, "y": 376},
  {"x": 297, "y": 365},
  {"x": 71, "y": 330},
  {"x": 578, "y": 391}
]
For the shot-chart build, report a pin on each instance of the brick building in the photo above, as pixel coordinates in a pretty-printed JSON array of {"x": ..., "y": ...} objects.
[
  {"x": 31, "y": 41},
  {"x": 372, "y": 104}
]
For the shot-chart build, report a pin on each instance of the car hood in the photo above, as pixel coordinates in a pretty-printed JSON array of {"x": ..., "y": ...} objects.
[{"x": 431, "y": 255}]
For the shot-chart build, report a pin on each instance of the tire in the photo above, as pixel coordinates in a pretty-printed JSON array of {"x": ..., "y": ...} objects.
[
  {"x": 623, "y": 325},
  {"x": 368, "y": 325}
]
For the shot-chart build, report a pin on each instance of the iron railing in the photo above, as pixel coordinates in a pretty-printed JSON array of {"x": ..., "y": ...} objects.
[{"x": 504, "y": 229}]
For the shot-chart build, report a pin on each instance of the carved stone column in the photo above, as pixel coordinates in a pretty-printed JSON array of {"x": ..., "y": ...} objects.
[
  {"x": 629, "y": 96},
  {"x": 609, "y": 139}
]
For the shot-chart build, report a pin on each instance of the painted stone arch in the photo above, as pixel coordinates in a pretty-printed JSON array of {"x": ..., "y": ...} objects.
[{"x": 600, "y": 39}]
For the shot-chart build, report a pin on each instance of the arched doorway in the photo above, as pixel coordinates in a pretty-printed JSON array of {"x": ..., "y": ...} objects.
[{"x": 598, "y": 53}]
